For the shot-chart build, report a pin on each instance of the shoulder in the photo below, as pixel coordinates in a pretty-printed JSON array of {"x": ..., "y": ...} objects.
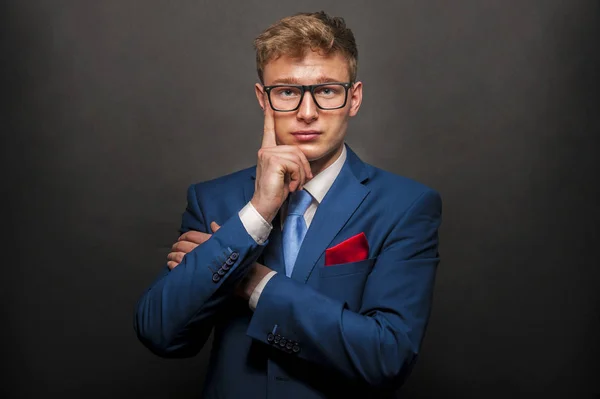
[
  {"x": 394, "y": 189},
  {"x": 387, "y": 187},
  {"x": 223, "y": 183}
]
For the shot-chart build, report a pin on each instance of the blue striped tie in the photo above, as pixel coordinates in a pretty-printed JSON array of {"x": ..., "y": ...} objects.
[{"x": 294, "y": 228}]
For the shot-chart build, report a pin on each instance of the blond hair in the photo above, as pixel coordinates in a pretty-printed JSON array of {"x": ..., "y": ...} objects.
[{"x": 294, "y": 36}]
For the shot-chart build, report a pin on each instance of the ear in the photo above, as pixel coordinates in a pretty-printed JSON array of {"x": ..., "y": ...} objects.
[
  {"x": 260, "y": 95},
  {"x": 355, "y": 98}
]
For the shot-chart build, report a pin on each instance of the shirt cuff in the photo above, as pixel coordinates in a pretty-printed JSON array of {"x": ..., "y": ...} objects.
[
  {"x": 256, "y": 226},
  {"x": 258, "y": 289}
]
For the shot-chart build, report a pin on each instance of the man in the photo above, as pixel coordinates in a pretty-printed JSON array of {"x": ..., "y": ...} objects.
[{"x": 315, "y": 269}]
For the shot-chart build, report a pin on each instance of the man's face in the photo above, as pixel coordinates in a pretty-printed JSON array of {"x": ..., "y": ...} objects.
[{"x": 329, "y": 126}]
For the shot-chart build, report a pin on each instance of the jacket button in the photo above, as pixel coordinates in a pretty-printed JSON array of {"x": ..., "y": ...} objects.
[
  {"x": 225, "y": 267},
  {"x": 230, "y": 262},
  {"x": 221, "y": 272},
  {"x": 234, "y": 255},
  {"x": 270, "y": 337},
  {"x": 216, "y": 277},
  {"x": 289, "y": 345},
  {"x": 296, "y": 348},
  {"x": 283, "y": 342},
  {"x": 277, "y": 338}
]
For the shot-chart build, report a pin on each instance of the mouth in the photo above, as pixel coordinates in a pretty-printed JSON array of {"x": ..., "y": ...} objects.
[{"x": 306, "y": 135}]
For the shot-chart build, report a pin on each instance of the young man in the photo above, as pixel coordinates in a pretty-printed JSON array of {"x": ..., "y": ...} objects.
[{"x": 315, "y": 269}]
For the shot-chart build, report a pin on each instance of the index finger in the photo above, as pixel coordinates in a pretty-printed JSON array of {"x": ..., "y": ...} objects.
[{"x": 268, "y": 139}]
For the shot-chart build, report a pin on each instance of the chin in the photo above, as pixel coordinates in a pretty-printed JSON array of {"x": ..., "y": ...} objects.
[{"x": 312, "y": 152}]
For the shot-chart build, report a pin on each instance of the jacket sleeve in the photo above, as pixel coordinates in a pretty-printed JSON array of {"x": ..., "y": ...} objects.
[
  {"x": 379, "y": 343},
  {"x": 175, "y": 315}
]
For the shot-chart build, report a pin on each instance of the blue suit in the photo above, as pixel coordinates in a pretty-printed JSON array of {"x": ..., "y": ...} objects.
[{"x": 352, "y": 329}]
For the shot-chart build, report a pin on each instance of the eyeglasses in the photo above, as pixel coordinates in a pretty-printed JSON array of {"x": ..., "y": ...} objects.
[{"x": 287, "y": 98}]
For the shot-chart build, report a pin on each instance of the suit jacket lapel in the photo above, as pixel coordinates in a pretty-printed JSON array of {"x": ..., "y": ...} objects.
[{"x": 340, "y": 202}]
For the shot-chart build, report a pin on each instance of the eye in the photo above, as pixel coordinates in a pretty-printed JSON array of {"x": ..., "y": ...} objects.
[
  {"x": 328, "y": 91},
  {"x": 285, "y": 92}
]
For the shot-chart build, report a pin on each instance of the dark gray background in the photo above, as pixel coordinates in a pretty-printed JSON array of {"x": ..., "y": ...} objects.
[{"x": 112, "y": 108}]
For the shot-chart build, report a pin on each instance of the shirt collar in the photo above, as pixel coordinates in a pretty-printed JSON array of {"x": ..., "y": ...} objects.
[{"x": 321, "y": 183}]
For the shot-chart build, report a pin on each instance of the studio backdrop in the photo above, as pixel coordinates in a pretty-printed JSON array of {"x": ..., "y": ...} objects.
[{"x": 111, "y": 109}]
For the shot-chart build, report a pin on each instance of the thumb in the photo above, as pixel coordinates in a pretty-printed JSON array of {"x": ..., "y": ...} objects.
[{"x": 214, "y": 227}]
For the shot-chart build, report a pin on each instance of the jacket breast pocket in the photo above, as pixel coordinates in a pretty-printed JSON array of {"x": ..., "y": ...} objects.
[
  {"x": 346, "y": 282},
  {"x": 346, "y": 268}
]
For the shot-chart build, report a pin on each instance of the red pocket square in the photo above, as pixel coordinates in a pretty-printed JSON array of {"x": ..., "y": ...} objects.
[{"x": 353, "y": 249}]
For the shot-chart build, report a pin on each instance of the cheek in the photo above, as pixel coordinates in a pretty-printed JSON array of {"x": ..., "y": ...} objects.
[
  {"x": 282, "y": 125},
  {"x": 337, "y": 123},
  {"x": 282, "y": 119}
]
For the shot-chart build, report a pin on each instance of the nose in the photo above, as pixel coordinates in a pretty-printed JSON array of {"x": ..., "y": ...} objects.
[{"x": 308, "y": 110}]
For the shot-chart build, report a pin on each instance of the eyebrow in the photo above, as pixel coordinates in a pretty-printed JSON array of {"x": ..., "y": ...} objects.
[{"x": 294, "y": 81}]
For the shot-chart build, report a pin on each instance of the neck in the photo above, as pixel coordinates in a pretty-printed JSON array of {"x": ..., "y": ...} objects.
[{"x": 319, "y": 165}]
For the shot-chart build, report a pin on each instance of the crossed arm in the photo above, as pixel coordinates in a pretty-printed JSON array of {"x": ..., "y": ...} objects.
[
  {"x": 377, "y": 344},
  {"x": 188, "y": 241}
]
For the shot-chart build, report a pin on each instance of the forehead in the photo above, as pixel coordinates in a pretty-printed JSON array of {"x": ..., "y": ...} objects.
[{"x": 313, "y": 67}]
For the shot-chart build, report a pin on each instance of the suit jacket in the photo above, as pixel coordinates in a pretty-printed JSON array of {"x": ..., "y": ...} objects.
[{"x": 352, "y": 329}]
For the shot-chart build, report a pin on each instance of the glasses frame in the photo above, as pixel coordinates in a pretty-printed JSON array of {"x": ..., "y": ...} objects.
[{"x": 311, "y": 89}]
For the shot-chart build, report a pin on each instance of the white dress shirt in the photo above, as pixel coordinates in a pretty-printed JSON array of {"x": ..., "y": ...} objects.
[{"x": 259, "y": 229}]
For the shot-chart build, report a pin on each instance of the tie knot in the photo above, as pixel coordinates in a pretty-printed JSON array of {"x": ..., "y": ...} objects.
[{"x": 299, "y": 202}]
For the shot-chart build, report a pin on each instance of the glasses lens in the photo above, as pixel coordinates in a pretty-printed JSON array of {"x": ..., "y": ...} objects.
[
  {"x": 330, "y": 96},
  {"x": 285, "y": 98}
]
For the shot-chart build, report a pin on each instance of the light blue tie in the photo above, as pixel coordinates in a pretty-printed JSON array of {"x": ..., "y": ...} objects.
[{"x": 294, "y": 228}]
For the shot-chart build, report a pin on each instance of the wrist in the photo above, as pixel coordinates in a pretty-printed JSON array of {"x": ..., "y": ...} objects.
[
  {"x": 249, "y": 289},
  {"x": 268, "y": 213},
  {"x": 248, "y": 285},
  {"x": 252, "y": 280}
]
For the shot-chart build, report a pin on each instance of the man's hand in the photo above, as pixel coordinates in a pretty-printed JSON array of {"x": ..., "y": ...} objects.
[
  {"x": 246, "y": 287},
  {"x": 190, "y": 240},
  {"x": 186, "y": 243},
  {"x": 280, "y": 169}
]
